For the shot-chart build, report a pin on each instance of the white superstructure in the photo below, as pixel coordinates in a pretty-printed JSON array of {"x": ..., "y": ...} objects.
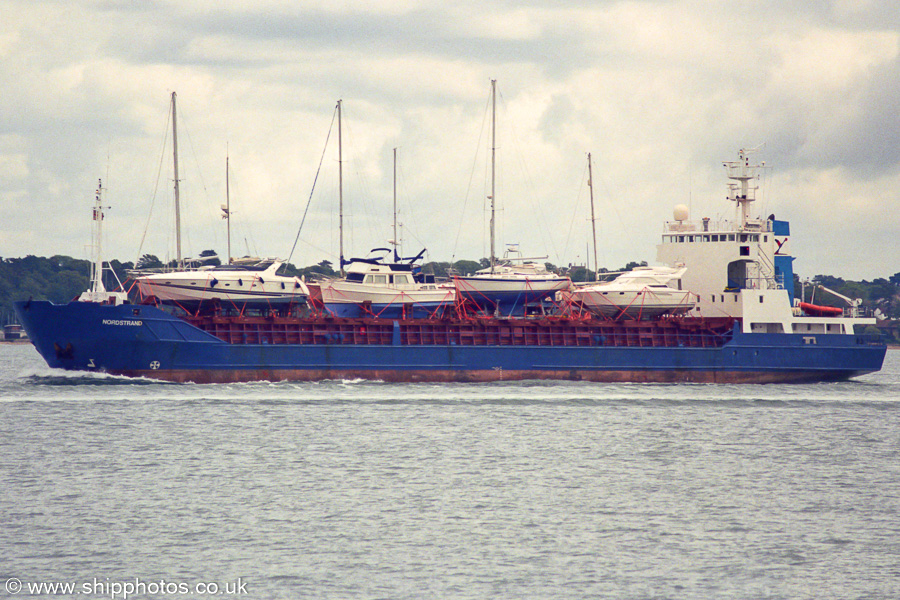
[{"x": 742, "y": 267}]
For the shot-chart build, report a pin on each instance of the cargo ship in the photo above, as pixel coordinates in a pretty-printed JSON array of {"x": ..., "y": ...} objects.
[{"x": 743, "y": 326}]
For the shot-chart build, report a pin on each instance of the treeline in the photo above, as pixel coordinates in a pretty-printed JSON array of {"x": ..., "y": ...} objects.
[{"x": 62, "y": 278}]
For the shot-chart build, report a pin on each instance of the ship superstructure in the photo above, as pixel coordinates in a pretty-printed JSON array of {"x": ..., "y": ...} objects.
[{"x": 742, "y": 267}]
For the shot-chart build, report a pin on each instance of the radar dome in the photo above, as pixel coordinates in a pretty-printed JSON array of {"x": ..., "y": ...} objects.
[{"x": 681, "y": 212}]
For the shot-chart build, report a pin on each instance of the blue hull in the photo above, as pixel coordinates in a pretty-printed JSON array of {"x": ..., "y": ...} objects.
[
  {"x": 144, "y": 341},
  {"x": 513, "y": 304},
  {"x": 422, "y": 310}
]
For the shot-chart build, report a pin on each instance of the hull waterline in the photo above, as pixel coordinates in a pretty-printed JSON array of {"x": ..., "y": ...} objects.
[{"x": 144, "y": 341}]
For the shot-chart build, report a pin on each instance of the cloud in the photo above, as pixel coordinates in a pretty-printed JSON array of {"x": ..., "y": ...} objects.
[{"x": 659, "y": 92}]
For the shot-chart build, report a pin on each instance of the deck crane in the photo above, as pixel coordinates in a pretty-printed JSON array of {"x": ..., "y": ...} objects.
[{"x": 852, "y": 303}]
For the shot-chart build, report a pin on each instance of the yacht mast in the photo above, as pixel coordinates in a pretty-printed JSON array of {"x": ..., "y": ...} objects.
[
  {"x": 177, "y": 200},
  {"x": 228, "y": 206},
  {"x": 340, "y": 192},
  {"x": 493, "y": 163},
  {"x": 396, "y": 241},
  {"x": 593, "y": 220}
]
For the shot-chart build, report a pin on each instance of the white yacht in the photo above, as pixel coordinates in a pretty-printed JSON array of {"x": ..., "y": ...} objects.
[
  {"x": 255, "y": 285},
  {"x": 242, "y": 283},
  {"x": 642, "y": 293},
  {"x": 507, "y": 287},
  {"x": 373, "y": 287},
  {"x": 510, "y": 286}
]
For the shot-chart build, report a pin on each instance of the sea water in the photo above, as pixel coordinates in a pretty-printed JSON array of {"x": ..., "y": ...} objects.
[{"x": 353, "y": 489}]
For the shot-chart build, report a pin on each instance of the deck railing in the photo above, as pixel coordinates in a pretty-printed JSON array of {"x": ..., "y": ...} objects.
[{"x": 691, "y": 333}]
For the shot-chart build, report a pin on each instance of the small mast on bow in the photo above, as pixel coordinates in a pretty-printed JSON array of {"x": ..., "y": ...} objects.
[{"x": 97, "y": 291}]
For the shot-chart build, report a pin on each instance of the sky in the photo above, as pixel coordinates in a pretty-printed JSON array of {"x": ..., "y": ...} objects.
[{"x": 660, "y": 93}]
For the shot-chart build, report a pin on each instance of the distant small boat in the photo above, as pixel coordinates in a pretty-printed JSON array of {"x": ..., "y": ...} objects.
[
  {"x": 642, "y": 293},
  {"x": 815, "y": 310}
]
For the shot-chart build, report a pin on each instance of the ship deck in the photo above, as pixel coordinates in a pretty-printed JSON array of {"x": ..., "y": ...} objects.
[{"x": 542, "y": 331}]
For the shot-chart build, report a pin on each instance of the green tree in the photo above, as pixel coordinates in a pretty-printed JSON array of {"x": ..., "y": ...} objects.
[
  {"x": 439, "y": 269},
  {"x": 148, "y": 261},
  {"x": 467, "y": 267}
]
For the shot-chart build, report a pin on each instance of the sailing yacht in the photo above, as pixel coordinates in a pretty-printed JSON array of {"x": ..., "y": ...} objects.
[
  {"x": 510, "y": 286},
  {"x": 253, "y": 283},
  {"x": 507, "y": 286}
]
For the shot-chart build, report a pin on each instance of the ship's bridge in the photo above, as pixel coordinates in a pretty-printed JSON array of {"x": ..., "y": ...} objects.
[
  {"x": 717, "y": 227},
  {"x": 724, "y": 257}
]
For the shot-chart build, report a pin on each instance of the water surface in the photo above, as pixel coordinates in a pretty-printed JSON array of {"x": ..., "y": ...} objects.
[{"x": 354, "y": 489}]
